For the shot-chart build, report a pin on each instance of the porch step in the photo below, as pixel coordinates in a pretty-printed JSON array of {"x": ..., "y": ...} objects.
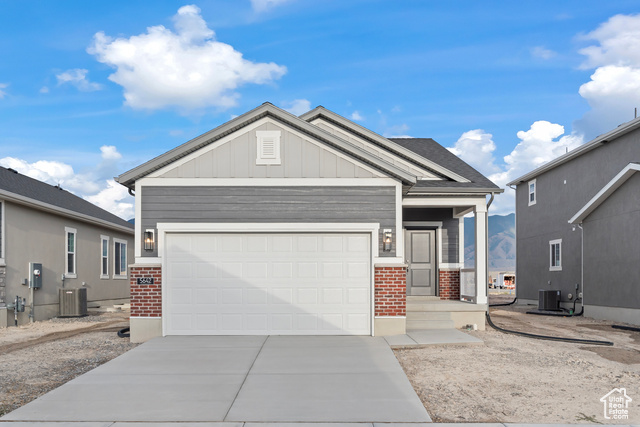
[
  {"x": 428, "y": 315},
  {"x": 421, "y": 298},
  {"x": 430, "y": 324}
]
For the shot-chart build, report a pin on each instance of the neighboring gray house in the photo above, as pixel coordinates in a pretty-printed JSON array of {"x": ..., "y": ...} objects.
[
  {"x": 277, "y": 224},
  {"x": 69, "y": 236},
  {"x": 578, "y": 222}
]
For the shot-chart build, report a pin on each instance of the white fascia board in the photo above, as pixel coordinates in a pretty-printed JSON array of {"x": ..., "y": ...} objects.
[
  {"x": 605, "y": 192},
  {"x": 233, "y": 125},
  {"x": 252, "y": 127},
  {"x": 447, "y": 202},
  {"x": 266, "y": 182},
  {"x": 585, "y": 148},
  {"x": 46, "y": 207},
  {"x": 387, "y": 144}
]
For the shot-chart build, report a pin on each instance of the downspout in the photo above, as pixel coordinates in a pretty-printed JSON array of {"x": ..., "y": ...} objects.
[
  {"x": 581, "y": 263},
  {"x": 486, "y": 242},
  {"x": 131, "y": 192}
]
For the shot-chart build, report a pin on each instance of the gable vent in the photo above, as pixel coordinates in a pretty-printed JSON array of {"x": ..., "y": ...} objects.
[{"x": 268, "y": 149}]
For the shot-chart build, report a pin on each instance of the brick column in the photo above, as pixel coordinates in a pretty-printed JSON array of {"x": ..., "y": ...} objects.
[
  {"x": 449, "y": 284},
  {"x": 390, "y": 291},
  {"x": 146, "y": 300}
]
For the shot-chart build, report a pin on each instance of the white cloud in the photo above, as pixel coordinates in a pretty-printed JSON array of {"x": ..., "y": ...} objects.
[
  {"x": 297, "y": 106},
  {"x": 357, "y": 116},
  {"x": 614, "y": 89},
  {"x": 2, "y": 92},
  {"x": 187, "y": 68},
  {"x": 619, "y": 43},
  {"x": 396, "y": 131},
  {"x": 540, "y": 144},
  {"x": 476, "y": 147},
  {"x": 96, "y": 185},
  {"x": 77, "y": 77},
  {"x": 260, "y": 6},
  {"x": 176, "y": 132},
  {"x": 114, "y": 198},
  {"x": 542, "y": 53},
  {"x": 110, "y": 152},
  {"x": 44, "y": 89}
]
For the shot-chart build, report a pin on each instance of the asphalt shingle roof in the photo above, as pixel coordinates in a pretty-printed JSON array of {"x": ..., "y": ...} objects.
[
  {"x": 37, "y": 190},
  {"x": 430, "y": 149}
]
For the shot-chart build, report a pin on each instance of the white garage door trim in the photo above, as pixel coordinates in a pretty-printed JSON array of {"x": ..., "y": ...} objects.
[{"x": 370, "y": 228}]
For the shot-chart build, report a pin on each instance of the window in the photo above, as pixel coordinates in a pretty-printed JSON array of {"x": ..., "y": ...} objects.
[
  {"x": 119, "y": 259},
  {"x": 104, "y": 257},
  {"x": 555, "y": 255},
  {"x": 532, "y": 192},
  {"x": 71, "y": 248},
  {"x": 268, "y": 147}
]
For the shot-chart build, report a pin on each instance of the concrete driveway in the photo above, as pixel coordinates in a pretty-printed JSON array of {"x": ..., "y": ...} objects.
[{"x": 239, "y": 379}]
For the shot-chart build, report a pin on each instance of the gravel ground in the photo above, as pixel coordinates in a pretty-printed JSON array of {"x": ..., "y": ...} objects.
[
  {"x": 30, "y": 372},
  {"x": 522, "y": 380}
]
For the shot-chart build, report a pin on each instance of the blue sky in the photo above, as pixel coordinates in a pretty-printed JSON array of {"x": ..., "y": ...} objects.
[{"x": 505, "y": 85}]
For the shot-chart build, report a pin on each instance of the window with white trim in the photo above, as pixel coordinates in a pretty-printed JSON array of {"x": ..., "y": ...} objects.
[
  {"x": 555, "y": 255},
  {"x": 532, "y": 192},
  {"x": 268, "y": 149},
  {"x": 104, "y": 257},
  {"x": 119, "y": 259},
  {"x": 71, "y": 248}
]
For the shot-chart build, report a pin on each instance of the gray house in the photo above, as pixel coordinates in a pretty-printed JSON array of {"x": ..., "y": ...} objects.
[
  {"x": 578, "y": 225},
  {"x": 70, "y": 237},
  {"x": 314, "y": 225}
]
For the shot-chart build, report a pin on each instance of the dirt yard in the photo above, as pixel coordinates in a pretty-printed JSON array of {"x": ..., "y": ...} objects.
[
  {"x": 521, "y": 380},
  {"x": 39, "y": 357}
]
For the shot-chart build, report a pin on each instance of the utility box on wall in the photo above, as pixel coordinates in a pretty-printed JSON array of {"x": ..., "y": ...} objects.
[
  {"x": 73, "y": 302},
  {"x": 35, "y": 275}
]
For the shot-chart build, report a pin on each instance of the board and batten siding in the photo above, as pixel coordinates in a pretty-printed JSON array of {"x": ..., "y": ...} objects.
[
  {"x": 193, "y": 204},
  {"x": 300, "y": 158}
]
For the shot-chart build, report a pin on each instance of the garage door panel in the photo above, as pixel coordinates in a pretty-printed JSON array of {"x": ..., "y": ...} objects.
[{"x": 268, "y": 284}]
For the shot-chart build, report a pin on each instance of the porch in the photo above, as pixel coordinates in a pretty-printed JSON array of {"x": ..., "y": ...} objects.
[{"x": 430, "y": 312}]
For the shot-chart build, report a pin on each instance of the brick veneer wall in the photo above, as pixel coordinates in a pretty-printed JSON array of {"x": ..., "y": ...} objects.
[
  {"x": 390, "y": 291},
  {"x": 146, "y": 300},
  {"x": 449, "y": 284}
]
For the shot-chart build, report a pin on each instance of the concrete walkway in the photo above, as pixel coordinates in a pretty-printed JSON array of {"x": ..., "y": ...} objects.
[
  {"x": 237, "y": 379},
  {"x": 428, "y": 337}
]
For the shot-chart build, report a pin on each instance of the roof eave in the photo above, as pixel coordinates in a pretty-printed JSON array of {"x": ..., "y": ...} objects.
[
  {"x": 369, "y": 135},
  {"x": 47, "y": 207},
  {"x": 621, "y": 130},
  {"x": 456, "y": 190},
  {"x": 604, "y": 193},
  {"x": 128, "y": 178}
]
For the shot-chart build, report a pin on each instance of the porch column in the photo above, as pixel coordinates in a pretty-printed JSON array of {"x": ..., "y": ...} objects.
[{"x": 480, "y": 215}]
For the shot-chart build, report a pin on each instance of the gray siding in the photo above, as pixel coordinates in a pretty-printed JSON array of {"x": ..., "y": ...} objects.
[
  {"x": 300, "y": 159},
  {"x": 450, "y": 229},
  {"x": 269, "y": 204},
  {"x": 561, "y": 193},
  {"x": 612, "y": 249},
  {"x": 35, "y": 236}
]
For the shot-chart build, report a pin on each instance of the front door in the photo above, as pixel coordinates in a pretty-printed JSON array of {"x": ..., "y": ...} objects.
[{"x": 420, "y": 251}]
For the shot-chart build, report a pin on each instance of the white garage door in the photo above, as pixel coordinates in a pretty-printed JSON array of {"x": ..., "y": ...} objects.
[{"x": 257, "y": 284}]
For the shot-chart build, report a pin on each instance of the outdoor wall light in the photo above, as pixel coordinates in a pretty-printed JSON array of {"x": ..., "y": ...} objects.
[
  {"x": 148, "y": 240},
  {"x": 387, "y": 239}
]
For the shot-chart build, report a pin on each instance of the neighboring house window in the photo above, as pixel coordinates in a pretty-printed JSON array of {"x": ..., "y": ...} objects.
[
  {"x": 119, "y": 259},
  {"x": 268, "y": 149},
  {"x": 555, "y": 252},
  {"x": 532, "y": 192},
  {"x": 71, "y": 251},
  {"x": 104, "y": 257}
]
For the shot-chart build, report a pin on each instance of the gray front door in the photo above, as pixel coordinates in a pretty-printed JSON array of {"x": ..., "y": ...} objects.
[{"x": 420, "y": 248}]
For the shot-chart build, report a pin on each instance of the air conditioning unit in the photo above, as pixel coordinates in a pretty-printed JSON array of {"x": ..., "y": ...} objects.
[
  {"x": 73, "y": 302},
  {"x": 548, "y": 300}
]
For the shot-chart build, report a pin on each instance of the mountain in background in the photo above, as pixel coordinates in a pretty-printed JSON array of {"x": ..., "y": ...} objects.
[{"x": 502, "y": 242}]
